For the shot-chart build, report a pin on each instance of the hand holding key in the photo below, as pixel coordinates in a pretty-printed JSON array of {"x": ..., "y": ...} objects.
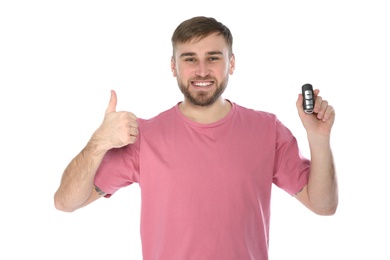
[{"x": 316, "y": 114}]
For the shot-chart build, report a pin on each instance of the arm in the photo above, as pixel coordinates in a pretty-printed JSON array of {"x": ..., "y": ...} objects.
[
  {"x": 77, "y": 188},
  {"x": 320, "y": 195}
]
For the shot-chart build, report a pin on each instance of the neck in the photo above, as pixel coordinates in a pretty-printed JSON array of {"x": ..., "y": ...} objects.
[{"x": 206, "y": 114}]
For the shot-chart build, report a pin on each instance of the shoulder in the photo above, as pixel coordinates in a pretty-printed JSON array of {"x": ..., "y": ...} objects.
[
  {"x": 163, "y": 119},
  {"x": 259, "y": 120},
  {"x": 251, "y": 113}
]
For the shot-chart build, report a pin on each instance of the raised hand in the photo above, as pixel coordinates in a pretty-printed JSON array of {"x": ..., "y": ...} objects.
[
  {"x": 118, "y": 128},
  {"x": 321, "y": 121}
]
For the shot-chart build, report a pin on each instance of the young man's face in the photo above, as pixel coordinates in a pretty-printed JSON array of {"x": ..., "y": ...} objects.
[{"x": 202, "y": 69}]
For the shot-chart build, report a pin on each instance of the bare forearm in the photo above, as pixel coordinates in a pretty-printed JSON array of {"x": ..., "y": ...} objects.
[
  {"x": 322, "y": 187},
  {"x": 118, "y": 129},
  {"x": 77, "y": 180}
]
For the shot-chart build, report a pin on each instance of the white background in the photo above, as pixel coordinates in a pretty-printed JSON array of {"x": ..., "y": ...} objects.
[{"x": 59, "y": 60}]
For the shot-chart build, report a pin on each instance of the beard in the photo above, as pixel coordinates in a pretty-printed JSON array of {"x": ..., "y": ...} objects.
[{"x": 202, "y": 98}]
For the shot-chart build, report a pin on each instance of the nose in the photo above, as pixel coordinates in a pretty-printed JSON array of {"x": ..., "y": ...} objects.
[{"x": 202, "y": 70}]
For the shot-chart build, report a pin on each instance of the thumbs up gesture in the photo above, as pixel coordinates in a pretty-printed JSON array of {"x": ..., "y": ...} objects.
[{"x": 118, "y": 128}]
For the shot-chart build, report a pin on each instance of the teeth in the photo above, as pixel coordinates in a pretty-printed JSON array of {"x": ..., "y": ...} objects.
[{"x": 203, "y": 84}]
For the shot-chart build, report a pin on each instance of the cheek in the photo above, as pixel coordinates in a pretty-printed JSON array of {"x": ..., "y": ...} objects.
[{"x": 179, "y": 73}]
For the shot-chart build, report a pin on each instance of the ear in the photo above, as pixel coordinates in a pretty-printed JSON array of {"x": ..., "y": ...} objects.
[
  {"x": 173, "y": 67},
  {"x": 232, "y": 64}
]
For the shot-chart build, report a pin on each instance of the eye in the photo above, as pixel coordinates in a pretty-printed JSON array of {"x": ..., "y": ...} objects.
[
  {"x": 190, "y": 60},
  {"x": 213, "y": 58}
]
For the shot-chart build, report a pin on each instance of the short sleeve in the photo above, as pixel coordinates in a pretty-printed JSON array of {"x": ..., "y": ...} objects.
[
  {"x": 292, "y": 169},
  {"x": 119, "y": 168}
]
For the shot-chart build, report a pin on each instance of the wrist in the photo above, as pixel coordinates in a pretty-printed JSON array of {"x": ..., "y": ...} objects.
[{"x": 97, "y": 144}]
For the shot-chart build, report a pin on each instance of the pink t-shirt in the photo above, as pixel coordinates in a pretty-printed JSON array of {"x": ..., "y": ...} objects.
[{"x": 206, "y": 188}]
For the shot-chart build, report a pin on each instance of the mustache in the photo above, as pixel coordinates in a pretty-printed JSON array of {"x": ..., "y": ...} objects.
[{"x": 203, "y": 78}]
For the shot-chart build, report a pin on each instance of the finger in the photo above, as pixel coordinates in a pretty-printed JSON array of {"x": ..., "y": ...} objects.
[
  {"x": 317, "y": 104},
  {"x": 328, "y": 113},
  {"x": 323, "y": 106},
  {"x": 299, "y": 104},
  {"x": 112, "y": 104},
  {"x": 132, "y": 139},
  {"x": 132, "y": 116},
  {"x": 133, "y": 131},
  {"x": 133, "y": 123}
]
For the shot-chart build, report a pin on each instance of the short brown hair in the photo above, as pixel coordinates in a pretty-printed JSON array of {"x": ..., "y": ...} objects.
[{"x": 200, "y": 27}]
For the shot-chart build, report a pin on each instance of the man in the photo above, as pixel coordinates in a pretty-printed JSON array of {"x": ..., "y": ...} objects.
[{"x": 206, "y": 166}]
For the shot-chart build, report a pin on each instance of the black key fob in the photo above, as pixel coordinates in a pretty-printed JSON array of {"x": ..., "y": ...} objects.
[{"x": 308, "y": 98}]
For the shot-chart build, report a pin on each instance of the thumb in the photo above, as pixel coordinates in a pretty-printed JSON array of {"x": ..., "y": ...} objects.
[
  {"x": 299, "y": 103},
  {"x": 112, "y": 105}
]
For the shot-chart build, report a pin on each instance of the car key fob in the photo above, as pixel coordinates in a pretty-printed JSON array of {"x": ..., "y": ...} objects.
[{"x": 308, "y": 98}]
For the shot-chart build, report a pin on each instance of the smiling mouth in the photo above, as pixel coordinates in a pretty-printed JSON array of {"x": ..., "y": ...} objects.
[{"x": 202, "y": 83}]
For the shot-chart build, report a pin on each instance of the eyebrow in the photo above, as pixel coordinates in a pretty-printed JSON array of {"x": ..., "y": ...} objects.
[{"x": 190, "y": 54}]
